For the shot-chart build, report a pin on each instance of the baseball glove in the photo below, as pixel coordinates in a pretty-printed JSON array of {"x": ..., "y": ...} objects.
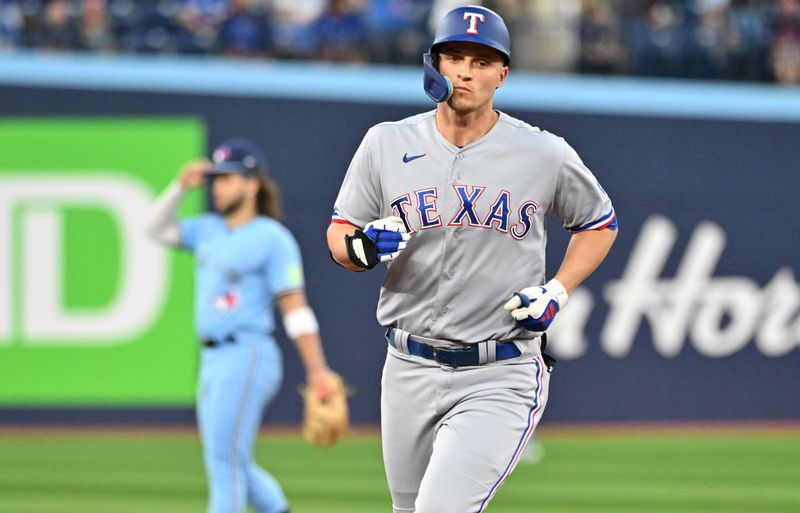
[{"x": 326, "y": 420}]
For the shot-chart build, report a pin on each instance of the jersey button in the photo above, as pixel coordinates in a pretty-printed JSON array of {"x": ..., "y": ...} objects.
[{"x": 460, "y": 156}]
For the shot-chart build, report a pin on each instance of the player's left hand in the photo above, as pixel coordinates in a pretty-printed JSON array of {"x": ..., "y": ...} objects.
[{"x": 534, "y": 308}]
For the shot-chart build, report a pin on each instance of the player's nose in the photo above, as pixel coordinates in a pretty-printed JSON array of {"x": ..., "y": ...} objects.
[{"x": 464, "y": 70}]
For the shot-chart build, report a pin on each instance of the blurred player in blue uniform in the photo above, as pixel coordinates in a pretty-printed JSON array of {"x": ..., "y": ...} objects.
[{"x": 246, "y": 263}]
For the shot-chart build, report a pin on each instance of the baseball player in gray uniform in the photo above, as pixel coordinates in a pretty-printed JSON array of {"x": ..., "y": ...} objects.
[{"x": 454, "y": 201}]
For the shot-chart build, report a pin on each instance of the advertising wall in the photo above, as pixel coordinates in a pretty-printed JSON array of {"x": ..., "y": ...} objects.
[
  {"x": 87, "y": 303},
  {"x": 695, "y": 315}
]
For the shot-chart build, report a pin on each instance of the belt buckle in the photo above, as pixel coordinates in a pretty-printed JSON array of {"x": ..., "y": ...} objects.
[
  {"x": 449, "y": 357},
  {"x": 445, "y": 357}
]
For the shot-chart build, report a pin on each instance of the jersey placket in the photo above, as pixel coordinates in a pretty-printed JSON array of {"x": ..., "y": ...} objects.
[{"x": 447, "y": 275}]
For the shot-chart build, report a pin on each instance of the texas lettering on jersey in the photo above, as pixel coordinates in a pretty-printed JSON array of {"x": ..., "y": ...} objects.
[{"x": 471, "y": 212}]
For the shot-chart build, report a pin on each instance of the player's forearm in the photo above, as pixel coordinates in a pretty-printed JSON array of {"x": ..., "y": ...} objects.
[
  {"x": 301, "y": 326},
  {"x": 162, "y": 223},
  {"x": 337, "y": 247},
  {"x": 585, "y": 253},
  {"x": 309, "y": 347}
]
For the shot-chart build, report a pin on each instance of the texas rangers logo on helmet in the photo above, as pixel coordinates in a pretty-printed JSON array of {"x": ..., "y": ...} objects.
[{"x": 474, "y": 18}]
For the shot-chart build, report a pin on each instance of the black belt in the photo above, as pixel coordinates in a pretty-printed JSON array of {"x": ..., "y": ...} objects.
[
  {"x": 453, "y": 357},
  {"x": 211, "y": 342}
]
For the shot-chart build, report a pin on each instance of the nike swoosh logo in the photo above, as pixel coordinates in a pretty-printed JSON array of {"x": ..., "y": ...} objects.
[{"x": 407, "y": 159}]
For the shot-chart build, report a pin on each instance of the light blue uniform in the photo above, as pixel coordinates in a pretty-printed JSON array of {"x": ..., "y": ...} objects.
[{"x": 239, "y": 273}]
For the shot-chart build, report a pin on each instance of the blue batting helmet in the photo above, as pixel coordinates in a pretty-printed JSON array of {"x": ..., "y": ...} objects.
[{"x": 470, "y": 24}]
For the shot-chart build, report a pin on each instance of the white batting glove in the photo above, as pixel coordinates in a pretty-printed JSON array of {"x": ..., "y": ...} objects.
[
  {"x": 534, "y": 308},
  {"x": 380, "y": 241}
]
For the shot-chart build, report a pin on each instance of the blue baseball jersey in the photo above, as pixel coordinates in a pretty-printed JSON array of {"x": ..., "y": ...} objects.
[{"x": 239, "y": 273}]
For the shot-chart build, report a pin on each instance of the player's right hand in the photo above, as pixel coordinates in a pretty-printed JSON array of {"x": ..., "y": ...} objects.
[
  {"x": 389, "y": 235},
  {"x": 193, "y": 174},
  {"x": 534, "y": 308},
  {"x": 380, "y": 241}
]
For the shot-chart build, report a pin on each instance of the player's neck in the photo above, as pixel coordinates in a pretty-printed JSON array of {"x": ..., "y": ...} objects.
[
  {"x": 240, "y": 216},
  {"x": 462, "y": 128}
]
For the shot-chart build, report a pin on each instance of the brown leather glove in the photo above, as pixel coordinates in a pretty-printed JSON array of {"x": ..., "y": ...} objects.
[{"x": 325, "y": 420}]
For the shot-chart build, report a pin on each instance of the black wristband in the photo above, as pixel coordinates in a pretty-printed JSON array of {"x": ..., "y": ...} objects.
[{"x": 362, "y": 250}]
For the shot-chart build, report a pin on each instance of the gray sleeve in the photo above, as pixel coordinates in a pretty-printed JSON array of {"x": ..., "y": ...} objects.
[
  {"x": 359, "y": 199},
  {"x": 162, "y": 220},
  {"x": 580, "y": 202}
]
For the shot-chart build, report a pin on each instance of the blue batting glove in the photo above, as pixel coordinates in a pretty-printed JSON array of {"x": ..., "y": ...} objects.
[{"x": 389, "y": 235}]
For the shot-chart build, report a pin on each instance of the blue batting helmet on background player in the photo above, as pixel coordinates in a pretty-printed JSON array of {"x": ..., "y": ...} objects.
[{"x": 470, "y": 24}]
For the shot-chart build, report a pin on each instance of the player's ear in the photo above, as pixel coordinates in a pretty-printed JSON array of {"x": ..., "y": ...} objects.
[{"x": 502, "y": 78}]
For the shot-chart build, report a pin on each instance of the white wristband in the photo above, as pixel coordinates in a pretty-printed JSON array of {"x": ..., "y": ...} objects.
[
  {"x": 557, "y": 289},
  {"x": 300, "y": 321}
]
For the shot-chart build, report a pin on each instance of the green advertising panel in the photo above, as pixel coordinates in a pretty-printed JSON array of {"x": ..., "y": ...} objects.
[{"x": 92, "y": 311}]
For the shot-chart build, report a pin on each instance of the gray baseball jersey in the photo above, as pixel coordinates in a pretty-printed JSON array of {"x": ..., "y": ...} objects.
[
  {"x": 476, "y": 215},
  {"x": 451, "y": 434}
]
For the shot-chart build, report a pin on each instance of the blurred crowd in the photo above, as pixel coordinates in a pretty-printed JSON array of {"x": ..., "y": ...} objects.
[{"x": 752, "y": 40}]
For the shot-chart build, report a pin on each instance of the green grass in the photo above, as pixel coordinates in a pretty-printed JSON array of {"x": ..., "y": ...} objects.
[{"x": 127, "y": 472}]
